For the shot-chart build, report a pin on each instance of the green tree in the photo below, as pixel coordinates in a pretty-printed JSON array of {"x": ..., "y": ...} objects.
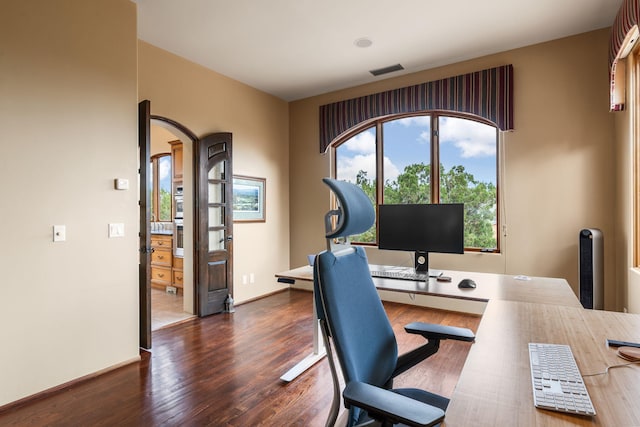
[
  {"x": 369, "y": 188},
  {"x": 165, "y": 205},
  {"x": 413, "y": 185},
  {"x": 479, "y": 198}
]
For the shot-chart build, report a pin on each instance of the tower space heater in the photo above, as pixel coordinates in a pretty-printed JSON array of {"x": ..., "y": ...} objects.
[{"x": 591, "y": 269}]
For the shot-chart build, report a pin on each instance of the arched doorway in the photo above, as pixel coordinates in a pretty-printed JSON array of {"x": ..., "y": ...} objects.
[
  {"x": 207, "y": 190},
  {"x": 165, "y": 269}
]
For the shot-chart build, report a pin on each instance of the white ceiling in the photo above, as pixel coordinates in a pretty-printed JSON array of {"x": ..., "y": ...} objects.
[{"x": 294, "y": 49}]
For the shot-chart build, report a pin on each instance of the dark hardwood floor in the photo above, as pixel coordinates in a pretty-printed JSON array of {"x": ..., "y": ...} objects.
[{"x": 224, "y": 371}]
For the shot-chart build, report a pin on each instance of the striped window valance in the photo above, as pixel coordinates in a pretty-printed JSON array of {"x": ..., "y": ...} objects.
[
  {"x": 486, "y": 93},
  {"x": 624, "y": 33}
]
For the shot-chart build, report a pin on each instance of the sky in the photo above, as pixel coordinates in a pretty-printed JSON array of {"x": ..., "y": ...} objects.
[
  {"x": 462, "y": 142},
  {"x": 165, "y": 173}
]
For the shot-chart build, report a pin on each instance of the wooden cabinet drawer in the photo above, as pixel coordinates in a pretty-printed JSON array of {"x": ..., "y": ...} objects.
[
  {"x": 178, "y": 262},
  {"x": 161, "y": 257},
  {"x": 160, "y": 241},
  {"x": 161, "y": 274},
  {"x": 177, "y": 278}
]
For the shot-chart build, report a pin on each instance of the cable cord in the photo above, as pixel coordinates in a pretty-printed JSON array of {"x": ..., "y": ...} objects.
[{"x": 606, "y": 371}]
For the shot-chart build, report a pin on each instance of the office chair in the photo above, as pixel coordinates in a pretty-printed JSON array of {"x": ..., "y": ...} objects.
[{"x": 352, "y": 316}]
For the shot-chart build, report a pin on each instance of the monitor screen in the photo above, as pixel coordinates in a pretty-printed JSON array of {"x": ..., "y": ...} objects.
[{"x": 424, "y": 228}]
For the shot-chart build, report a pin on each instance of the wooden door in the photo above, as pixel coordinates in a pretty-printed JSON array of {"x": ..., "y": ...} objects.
[
  {"x": 144, "y": 140},
  {"x": 214, "y": 223}
]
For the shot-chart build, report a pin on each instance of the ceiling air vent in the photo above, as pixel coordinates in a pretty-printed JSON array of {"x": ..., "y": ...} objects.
[{"x": 387, "y": 70}]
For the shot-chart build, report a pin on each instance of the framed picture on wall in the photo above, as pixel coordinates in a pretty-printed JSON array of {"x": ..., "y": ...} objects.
[{"x": 248, "y": 199}]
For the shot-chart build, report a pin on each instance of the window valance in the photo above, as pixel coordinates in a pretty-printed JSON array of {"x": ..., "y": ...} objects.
[
  {"x": 487, "y": 93},
  {"x": 624, "y": 33}
]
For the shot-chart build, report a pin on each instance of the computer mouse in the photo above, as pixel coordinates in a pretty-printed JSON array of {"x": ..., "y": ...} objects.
[{"x": 467, "y": 284}]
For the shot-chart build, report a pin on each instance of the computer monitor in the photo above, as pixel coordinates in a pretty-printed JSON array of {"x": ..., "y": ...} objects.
[{"x": 422, "y": 228}]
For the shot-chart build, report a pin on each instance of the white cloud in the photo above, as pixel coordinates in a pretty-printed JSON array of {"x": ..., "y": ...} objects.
[
  {"x": 391, "y": 171},
  {"x": 363, "y": 143},
  {"x": 420, "y": 121},
  {"x": 425, "y": 137},
  {"x": 164, "y": 171},
  {"x": 364, "y": 159},
  {"x": 472, "y": 138},
  {"x": 348, "y": 167}
]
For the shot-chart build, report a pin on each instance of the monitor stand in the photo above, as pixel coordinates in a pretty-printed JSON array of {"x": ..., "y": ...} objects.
[{"x": 422, "y": 264}]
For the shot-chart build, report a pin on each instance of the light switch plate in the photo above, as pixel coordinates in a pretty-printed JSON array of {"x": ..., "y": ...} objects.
[{"x": 116, "y": 230}]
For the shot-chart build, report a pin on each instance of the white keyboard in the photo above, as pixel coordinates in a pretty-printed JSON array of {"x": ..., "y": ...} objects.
[
  {"x": 556, "y": 379},
  {"x": 405, "y": 275}
]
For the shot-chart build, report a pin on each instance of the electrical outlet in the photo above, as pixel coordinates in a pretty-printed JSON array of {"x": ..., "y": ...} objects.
[
  {"x": 252, "y": 278},
  {"x": 172, "y": 290}
]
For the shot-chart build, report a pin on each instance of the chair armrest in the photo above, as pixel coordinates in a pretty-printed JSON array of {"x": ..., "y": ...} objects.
[
  {"x": 385, "y": 405},
  {"x": 440, "y": 332}
]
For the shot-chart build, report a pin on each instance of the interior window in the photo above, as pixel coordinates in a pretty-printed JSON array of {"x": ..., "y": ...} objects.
[
  {"x": 429, "y": 158},
  {"x": 160, "y": 182}
]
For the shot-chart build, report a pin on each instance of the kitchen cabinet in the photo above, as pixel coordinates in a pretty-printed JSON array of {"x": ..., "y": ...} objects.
[
  {"x": 176, "y": 159},
  {"x": 166, "y": 268},
  {"x": 176, "y": 273},
  {"x": 161, "y": 260}
]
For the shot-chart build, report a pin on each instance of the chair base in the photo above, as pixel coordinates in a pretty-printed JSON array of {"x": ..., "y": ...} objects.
[{"x": 302, "y": 366}]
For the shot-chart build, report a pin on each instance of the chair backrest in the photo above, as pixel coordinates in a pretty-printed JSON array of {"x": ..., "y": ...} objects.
[
  {"x": 347, "y": 299},
  {"x": 355, "y": 212},
  {"x": 363, "y": 338}
]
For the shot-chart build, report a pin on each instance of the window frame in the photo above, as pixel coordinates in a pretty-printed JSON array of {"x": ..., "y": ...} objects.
[
  {"x": 155, "y": 189},
  {"x": 378, "y": 123},
  {"x": 632, "y": 63}
]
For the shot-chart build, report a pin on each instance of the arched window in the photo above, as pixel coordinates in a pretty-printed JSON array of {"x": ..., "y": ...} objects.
[{"x": 434, "y": 157}]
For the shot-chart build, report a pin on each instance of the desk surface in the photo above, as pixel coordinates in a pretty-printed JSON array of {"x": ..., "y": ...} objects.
[
  {"x": 494, "y": 388},
  {"x": 489, "y": 287},
  {"x": 495, "y": 385}
]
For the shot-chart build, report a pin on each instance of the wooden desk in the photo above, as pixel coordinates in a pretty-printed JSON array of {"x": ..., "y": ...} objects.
[
  {"x": 494, "y": 388},
  {"x": 489, "y": 286}
]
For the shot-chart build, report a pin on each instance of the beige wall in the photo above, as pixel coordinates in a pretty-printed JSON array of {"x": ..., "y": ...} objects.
[
  {"x": 68, "y": 119},
  {"x": 207, "y": 102},
  {"x": 559, "y": 162}
]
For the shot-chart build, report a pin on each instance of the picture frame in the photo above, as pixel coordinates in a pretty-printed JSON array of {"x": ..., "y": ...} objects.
[{"x": 248, "y": 199}]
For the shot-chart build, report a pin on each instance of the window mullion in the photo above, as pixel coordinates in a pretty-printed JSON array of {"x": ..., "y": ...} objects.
[
  {"x": 379, "y": 165},
  {"x": 435, "y": 160}
]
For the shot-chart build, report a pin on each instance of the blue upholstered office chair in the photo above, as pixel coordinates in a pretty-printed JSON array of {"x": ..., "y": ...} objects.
[{"x": 353, "y": 318}]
